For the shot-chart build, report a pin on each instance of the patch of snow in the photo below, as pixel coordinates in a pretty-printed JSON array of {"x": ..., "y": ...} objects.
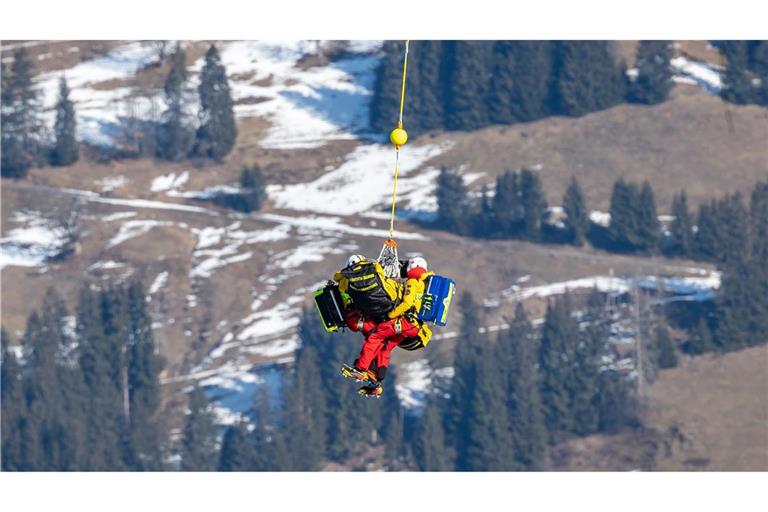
[
  {"x": 700, "y": 288},
  {"x": 306, "y": 107},
  {"x": 555, "y": 210},
  {"x": 160, "y": 281},
  {"x": 32, "y": 243},
  {"x": 266, "y": 323},
  {"x": 208, "y": 258},
  {"x": 232, "y": 389},
  {"x": 206, "y": 193},
  {"x": 312, "y": 251},
  {"x": 703, "y": 74},
  {"x": 333, "y": 226},
  {"x": 110, "y": 183},
  {"x": 106, "y": 265},
  {"x": 134, "y": 228},
  {"x": 118, "y": 216},
  {"x": 97, "y": 119},
  {"x": 600, "y": 218},
  {"x": 169, "y": 182},
  {"x": 210, "y": 236},
  {"x": 360, "y": 184},
  {"x": 275, "y": 348},
  {"x": 143, "y": 203},
  {"x": 417, "y": 193},
  {"x": 217, "y": 260},
  {"x": 602, "y": 283},
  {"x": 414, "y": 381}
]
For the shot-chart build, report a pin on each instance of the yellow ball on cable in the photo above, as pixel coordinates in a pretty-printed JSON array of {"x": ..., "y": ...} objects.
[{"x": 398, "y": 137}]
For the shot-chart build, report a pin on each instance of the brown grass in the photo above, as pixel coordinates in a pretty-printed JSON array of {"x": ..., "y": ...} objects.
[
  {"x": 720, "y": 404},
  {"x": 684, "y": 143},
  {"x": 711, "y": 413}
]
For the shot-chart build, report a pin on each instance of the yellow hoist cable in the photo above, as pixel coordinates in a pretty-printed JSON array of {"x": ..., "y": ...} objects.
[{"x": 398, "y": 140}]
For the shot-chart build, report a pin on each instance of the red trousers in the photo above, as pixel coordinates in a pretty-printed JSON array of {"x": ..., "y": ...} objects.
[{"x": 382, "y": 341}]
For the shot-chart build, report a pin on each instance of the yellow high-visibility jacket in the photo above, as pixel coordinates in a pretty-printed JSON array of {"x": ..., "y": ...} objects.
[{"x": 414, "y": 292}]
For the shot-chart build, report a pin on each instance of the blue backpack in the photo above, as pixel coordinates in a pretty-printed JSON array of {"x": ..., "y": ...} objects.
[{"x": 438, "y": 292}]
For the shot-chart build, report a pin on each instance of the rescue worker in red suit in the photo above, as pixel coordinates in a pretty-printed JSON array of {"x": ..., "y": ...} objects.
[{"x": 381, "y": 339}]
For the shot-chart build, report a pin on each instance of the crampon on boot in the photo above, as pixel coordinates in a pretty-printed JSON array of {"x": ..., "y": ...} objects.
[
  {"x": 351, "y": 372},
  {"x": 372, "y": 389}
]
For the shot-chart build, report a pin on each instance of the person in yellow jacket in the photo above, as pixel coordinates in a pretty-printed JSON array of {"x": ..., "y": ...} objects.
[{"x": 401, "y": 325}]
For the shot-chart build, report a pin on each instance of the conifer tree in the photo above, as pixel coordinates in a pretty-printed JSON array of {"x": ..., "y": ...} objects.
[
  {"x": 733, "y": 220},
  {"x": 100, "y": 362},
  {"x": 143, "y": 369},
  {"x": 533, "y": 75},
  {"x": 700, "y": 339},
  {"x": 634, "y": 222},
  {"x": 576, "y": 213},
  {"x": 591, "y": 345},
  {"x": 425, "y": 89},
  {"x": 665, "y": 348},
  {"x": 393, "y": 432},
  {"x": 385, "y": 103},
  {"x": 254, "y": 186},
  {"x": 452, "y": 201},
  {"x": 237, "y": 450},
  {"x": 556, "y": 360},
  {"x": 271, "y": 452},
  {"x": 706, "y": 240},
  {"x": 468, "y": 85},
  {"x": 175, "y": 136},
  {"x": 198, "y": 449},
  {"x": 615, "y": 403},
  {"x": 534, "y": 203},
  {"x": 758, "y": 212},
  {"x": 516, "y": 352},
  {"x": 13, "y": 418},
  {"x": 648, "y": 233},
  {"x": 305, "y": 413},
  {"x": 466, "y": 360},
  {"x": 507, "y": 206},
  {"x": 483, "y": 221},
  {"x": 49, "y": 409},
  {"x": 681, "y": 228},
  {"x": 654, "y": 74},
  {"x": 737, "y": 309},
  {"x": 737, "y": 85},
  {"x": 217, "y": 132},
  {"x": 759, "y": 66},
  {"x": 21, "y": 133},
  {"x": 501, "y": 100},
  {"x": 488, "y": 444},
  {"x": 65, "y": 150},
  {"x": 392, "y": 426},
  {"x": 758, "y": 268},
  {"x": 429, "y": 446},
  {"x": 586, "y": 77}
]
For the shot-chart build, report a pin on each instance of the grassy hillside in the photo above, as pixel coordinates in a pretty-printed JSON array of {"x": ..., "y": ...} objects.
[
  {"x": 694, "y": 142},
  {"x": 225, "y": 289},
  {"x": 711, "y": 413}
]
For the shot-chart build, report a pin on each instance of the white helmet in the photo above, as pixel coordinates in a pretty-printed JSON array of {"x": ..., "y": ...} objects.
[
  {"x": 355, "y": 259},
  {"x": 416, "y": 262}
]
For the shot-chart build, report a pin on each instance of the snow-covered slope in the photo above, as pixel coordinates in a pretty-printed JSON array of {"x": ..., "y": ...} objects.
[{"x": 277, "y": 253}]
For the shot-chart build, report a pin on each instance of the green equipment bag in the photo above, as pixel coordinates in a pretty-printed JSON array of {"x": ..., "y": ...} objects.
[{"x": 330, "y": 307}]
